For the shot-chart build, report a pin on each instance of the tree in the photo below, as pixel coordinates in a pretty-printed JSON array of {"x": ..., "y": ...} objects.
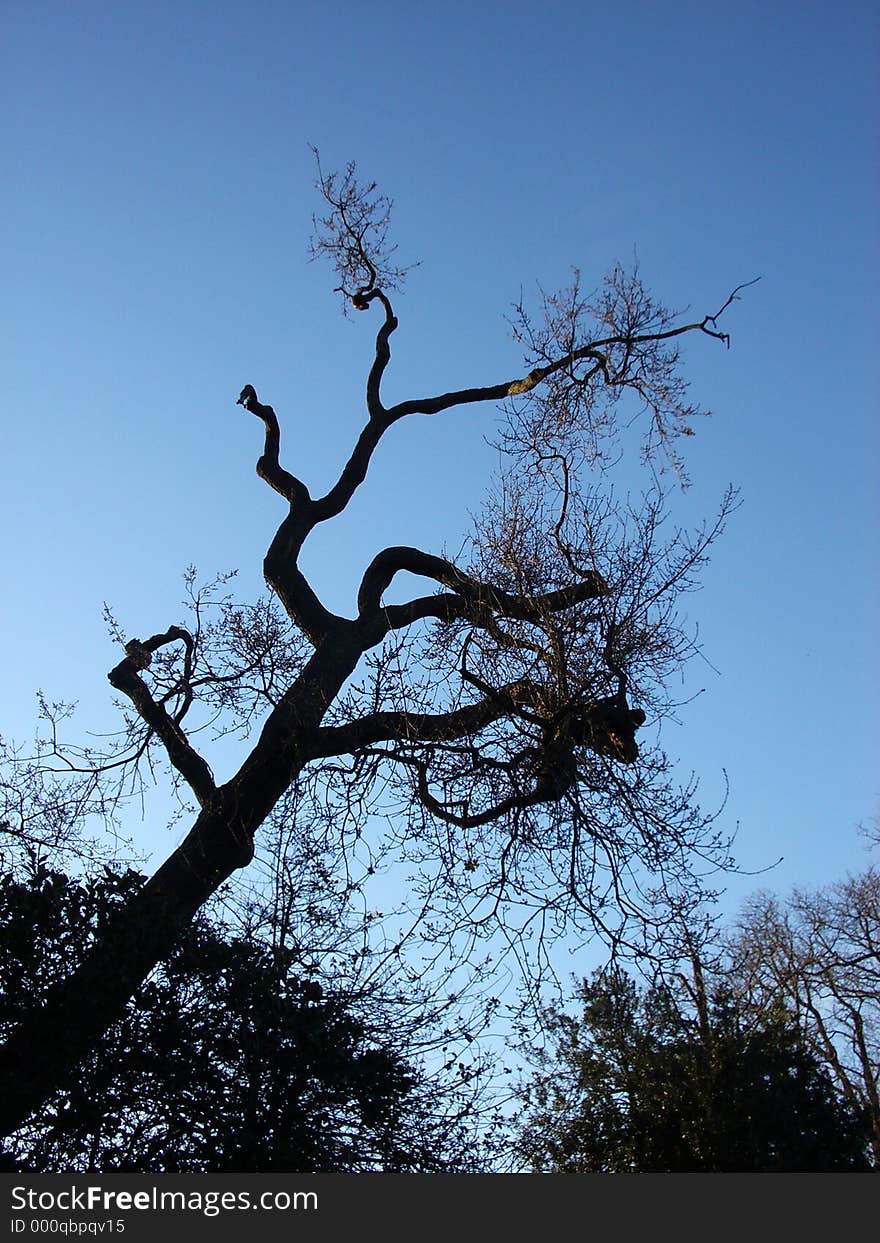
[
  {"x": 501, "y": 709},
  {"x": 638, "y": 1085},
  {"x": 226, "y": 1058},
  {"x": 819, "y": 955}
]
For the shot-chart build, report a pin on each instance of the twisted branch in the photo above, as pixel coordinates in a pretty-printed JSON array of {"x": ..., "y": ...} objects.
[{"x": 125, "y": 677}]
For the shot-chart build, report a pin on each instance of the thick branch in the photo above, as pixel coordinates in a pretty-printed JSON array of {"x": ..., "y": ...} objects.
[
  {"x": 355, "y": 469},
  {"x": 603, "y": 727},
  {"x": 353, "y": 473},
  {"x": 125, "y": 677},
  {"x": 382, "y": 569},
  {"x": 293, "y": 589},
  {"x": 280, "y": 565},
  {"x": 466, "y": 820},
  {"x": 428, "y": 727},
  {"x": 592, "y": 349},
  {"x": 268, "y": 466},
  {"x": 383, "y": 353}
]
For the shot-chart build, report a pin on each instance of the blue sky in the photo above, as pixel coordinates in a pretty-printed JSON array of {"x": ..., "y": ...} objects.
[{"x": 157, "y": 204}]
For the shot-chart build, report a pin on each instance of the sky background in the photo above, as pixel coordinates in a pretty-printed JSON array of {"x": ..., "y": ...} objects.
[{"x": 157, "y": 199}]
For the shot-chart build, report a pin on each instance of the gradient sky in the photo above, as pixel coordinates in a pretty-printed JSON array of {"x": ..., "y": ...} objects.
[{"x": 157, "y": 201}]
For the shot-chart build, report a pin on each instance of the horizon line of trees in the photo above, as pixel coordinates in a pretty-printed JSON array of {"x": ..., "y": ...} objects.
[{"x": 759, "y": 1053}]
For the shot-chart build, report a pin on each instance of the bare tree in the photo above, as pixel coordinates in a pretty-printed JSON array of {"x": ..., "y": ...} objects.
[
  {"x": 498, "y": 711},
  {"x": 819, "y": 953}
]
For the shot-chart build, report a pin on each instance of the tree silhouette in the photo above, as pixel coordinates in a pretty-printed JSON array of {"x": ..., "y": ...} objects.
[
  {"x": 500, "y": 709},
  {"x": 819, "y": 955},
  {"x": 638, "y": 1085},
  {"x": 226, "y": 1058}
]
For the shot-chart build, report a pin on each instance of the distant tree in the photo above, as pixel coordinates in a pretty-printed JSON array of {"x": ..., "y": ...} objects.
[
  {"x": 225, "y": 1058},
  {"x": 493, "y": 720},
  {"x": 637, "y": 1085},
  {"x": 818, "y": 953}
]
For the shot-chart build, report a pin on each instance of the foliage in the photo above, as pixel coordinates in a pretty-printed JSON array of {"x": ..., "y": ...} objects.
[
  {"x": 226, "y": 1058},
  {"x": 638, "y": 1085},
  {"x": 818, "y": 953}
]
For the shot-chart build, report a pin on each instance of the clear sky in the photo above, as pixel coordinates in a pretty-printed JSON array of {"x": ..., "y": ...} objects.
[{"x": 157, "y": 195}]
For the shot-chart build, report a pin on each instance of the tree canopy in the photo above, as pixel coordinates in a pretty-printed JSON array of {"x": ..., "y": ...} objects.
[
  {"x": 637, "y": 1084},
  {"x": 818, "y": 954}
]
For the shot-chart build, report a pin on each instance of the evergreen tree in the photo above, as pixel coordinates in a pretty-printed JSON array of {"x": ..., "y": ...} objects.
[
  {"x": 637, "y": 1084},
  {"x": 225, "y": 1058}
]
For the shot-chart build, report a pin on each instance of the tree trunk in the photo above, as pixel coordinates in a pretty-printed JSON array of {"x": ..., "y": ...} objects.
[{"x": 49, "y": 1042}]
